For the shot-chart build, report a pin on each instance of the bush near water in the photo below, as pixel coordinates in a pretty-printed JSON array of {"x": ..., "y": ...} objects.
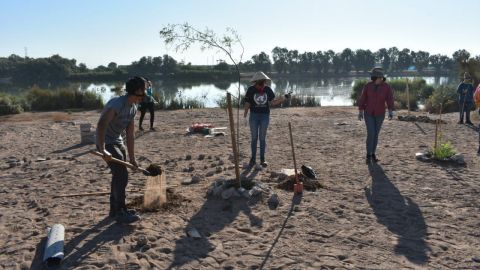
[{"x": 38, "y": 99}]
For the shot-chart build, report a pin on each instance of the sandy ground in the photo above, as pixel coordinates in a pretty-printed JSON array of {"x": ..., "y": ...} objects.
[{"x": 400, "y": 214}]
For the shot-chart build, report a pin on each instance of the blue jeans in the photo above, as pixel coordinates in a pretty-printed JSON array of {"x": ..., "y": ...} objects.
[
  {"x": 373, "y": 123},
  {"x": 258, "y": 130}
]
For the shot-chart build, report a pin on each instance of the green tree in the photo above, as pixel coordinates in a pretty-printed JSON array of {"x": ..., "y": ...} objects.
[
  {"x": 112, "y": 66},
  {"x": 306, "y": 61},
  {"x": 347, "y": 59},
  {"x": 280, "y": 59},
  {"x": 393, "y": 54},
  {"x": 420, "y": 60},
  {"x": 383, "y": 57},
  {"x": 337, "y": 63},
  {"x": 404, "y": 59},
  {"x": 460, "y": 58},
  {"x": 262, "y": 62}
]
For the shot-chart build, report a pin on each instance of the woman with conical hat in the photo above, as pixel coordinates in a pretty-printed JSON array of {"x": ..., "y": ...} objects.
[{"x": 258, "y": 100}]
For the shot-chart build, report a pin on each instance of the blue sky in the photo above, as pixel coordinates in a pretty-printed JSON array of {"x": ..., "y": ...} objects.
[{"x": 97, "y": 32}]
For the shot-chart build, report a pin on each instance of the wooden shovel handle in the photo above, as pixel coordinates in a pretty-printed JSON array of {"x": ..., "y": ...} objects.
[
  {"x": 121, "y": 162},
  {"x": 293, "y": 152}
]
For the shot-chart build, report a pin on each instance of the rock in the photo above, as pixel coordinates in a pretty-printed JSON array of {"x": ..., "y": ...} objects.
[
  {"x": 40, "y": 159},
  {"x": 201, "y": 157},
  {"x": 476, "y": 259},
  {"x": 187, "y": 181},
  {"x": 142, "y": 241},
  {"x": 221, "y": 162},
  {"x": 273, "y": 201},
  {"x": 458, "y": 158},
  {"x": 255, "y": 191},
  {"x": 228, "y": 193},
  {"x": 284, "y": 173},
  {"x": 196, "y": 178},
  {"x": 421, "y": 156},
  {"x": 188, "y": 157},
  {"x": 192, "y": 232},
  {"x": 210, "y": 173},
  {"x": 218, "y": 169}
]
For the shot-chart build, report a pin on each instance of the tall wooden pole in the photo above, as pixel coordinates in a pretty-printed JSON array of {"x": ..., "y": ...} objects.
[
  {"x": 232, "y": 131},
  {"x": 293, "y": 152},
  {"x": 408, "y": 99}
]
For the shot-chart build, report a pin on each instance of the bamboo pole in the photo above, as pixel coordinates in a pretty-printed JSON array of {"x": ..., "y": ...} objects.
[
  {"x": 234, "y": 145},
  {"x": 293, "y": 152}
]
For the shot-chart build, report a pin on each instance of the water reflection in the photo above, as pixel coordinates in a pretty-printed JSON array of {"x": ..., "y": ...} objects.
[{"x": 327, "y": 92}]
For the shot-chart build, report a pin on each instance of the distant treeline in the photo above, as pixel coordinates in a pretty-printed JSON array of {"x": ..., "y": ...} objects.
[{"x": 30, "y": 71}]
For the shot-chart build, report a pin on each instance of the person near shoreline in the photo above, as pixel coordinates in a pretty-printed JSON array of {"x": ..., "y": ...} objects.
[
  {"x": 371, "y": 108},
  {"x": 116, "y": 118},
  {"x": 465, "y": 98},
  {"x": 148, "y": 103},
  {"x": 258, "y": 100}
]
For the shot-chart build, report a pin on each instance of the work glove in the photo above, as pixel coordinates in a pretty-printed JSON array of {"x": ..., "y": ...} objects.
[
  {"x": 390, "y": 115},
  {"x": 360, "y": 116}
]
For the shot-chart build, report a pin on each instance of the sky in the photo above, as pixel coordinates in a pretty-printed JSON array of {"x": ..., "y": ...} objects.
[{"x": 97, "y": 32}]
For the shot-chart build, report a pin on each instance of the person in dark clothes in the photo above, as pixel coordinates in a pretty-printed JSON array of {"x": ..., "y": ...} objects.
[
  {"x": 118, "y": 117},
  {"x": 465, "y": 98},
  {"x": 148, "y": 103}
]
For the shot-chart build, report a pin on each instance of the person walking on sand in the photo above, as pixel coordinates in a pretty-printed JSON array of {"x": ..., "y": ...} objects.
[
  {"x": 116, "y": 118},
  {"x": 371, "y": 107},
  {"x": 465, "y": 98},
  {"x": 258, "y": 100},
  {"x": 148, "y": 103}
]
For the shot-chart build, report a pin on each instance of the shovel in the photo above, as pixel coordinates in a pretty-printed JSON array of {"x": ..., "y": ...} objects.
[{"x": 121, "y": 162}]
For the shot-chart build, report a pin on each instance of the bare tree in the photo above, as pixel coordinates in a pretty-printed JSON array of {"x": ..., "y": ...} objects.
[{"x": 182, "y": 36}]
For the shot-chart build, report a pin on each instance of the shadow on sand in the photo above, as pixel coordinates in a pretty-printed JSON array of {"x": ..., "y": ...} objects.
[
  {"x": 399, "y": 214},
  {"x": 213, "y": 217},
  {"x": 295, "y": 201},
  {"x": 103, "y": 232}
]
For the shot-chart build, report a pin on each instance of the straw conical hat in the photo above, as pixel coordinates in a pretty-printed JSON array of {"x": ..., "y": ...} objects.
[{"x": 260, "y": 76}]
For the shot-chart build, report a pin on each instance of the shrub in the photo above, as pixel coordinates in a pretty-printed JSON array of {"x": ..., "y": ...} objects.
[
  {"x": 418, "y": 91},
  {"x": 9, "y": 105},
  {"x": 45, "y": 100},
  {"x": 443, "y": 151},
  {"x": 357, "y": 90},
  {"x": 445, "y": 97}
]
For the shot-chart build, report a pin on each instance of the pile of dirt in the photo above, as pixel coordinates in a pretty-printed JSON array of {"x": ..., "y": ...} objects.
[
  {"x": 308, "y": 184},
  {"x": 174, "y": 201},
  {"x": 154, "y": 169},
  {"x": 420, "y": 118}
]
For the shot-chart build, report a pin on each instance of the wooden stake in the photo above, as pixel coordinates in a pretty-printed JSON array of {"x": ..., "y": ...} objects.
[
  {"x": 408, "y": 99},
  {"x": 298, "y": 186},
  {"x": 234, "y": 145}
]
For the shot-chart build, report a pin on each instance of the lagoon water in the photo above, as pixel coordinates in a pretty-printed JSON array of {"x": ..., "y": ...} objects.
[{"x": 329, "y": 92}]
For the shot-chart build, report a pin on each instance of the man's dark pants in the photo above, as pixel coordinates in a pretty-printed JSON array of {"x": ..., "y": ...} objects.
[{"x": 119, "y": 178}]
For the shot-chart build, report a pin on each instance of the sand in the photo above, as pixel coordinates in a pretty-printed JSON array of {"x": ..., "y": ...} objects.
[{"x": 399, "y": 214}]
